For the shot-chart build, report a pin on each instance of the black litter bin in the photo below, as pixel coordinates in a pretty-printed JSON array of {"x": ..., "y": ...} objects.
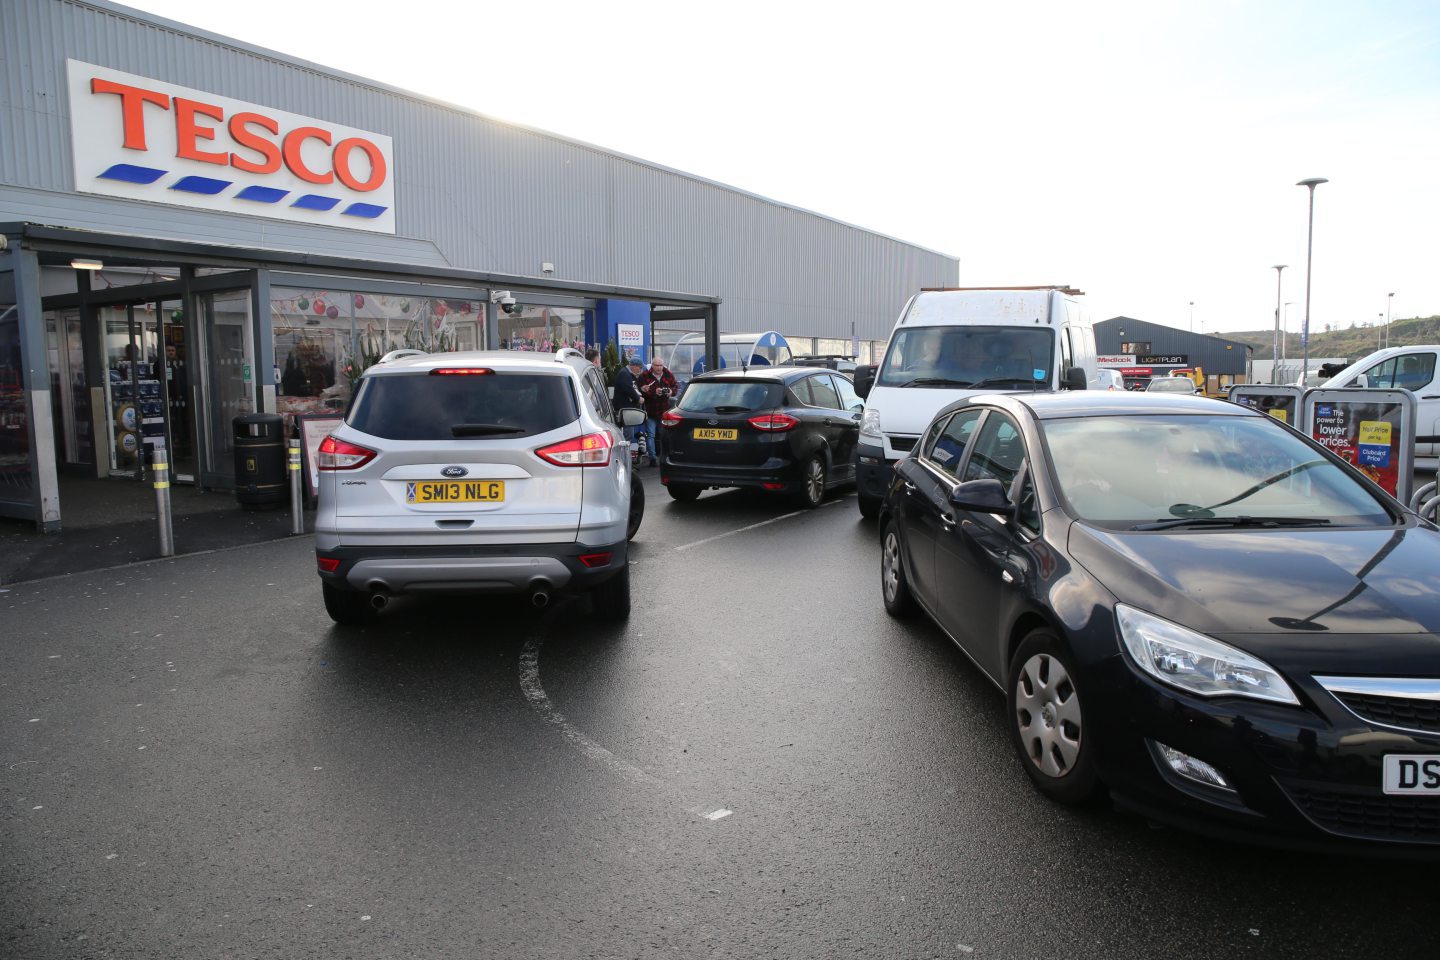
[{"x": 259, "y": 460}]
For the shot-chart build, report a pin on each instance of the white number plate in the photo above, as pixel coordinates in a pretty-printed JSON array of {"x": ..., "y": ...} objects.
[{"x": 1414, "y": 774}]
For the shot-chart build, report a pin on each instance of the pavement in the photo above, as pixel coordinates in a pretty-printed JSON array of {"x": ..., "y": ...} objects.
[{"x": 109, "y": 523}]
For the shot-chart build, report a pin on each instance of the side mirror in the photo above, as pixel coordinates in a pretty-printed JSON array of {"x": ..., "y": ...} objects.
[
  {"x": 983, "y": 496},
  {"x": 1361, "y": 381},
  {"x": 864, "y": 380},
  {"x": 631, "y": 416},
  {"x": 1075, "y": 379}
]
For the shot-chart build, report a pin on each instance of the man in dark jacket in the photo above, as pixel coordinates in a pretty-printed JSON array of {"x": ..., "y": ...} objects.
[
  {"x": 659, "y": 387},
  {"x": 627, "y": 394}
]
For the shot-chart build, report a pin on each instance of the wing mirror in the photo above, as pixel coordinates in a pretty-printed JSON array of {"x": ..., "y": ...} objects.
[
  {"x": 983, "y": 496},
  {"x": 864, "y": 380},
  {"x": 631, "y": 416},
  {"x": 1075, "y": 379}
]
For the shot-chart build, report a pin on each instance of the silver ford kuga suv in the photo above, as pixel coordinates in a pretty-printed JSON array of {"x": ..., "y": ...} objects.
[{"x": 479, "y": 472}]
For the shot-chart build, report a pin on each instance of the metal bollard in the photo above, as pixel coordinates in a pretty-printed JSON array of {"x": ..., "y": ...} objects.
[
  {"x": 297, "y": 510},
  {"x": 160, "y": 468}
]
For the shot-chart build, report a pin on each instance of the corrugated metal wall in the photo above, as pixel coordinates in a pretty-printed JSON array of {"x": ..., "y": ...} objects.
[
  {"x": 471, "y": 192},
  {"x": 1215, "y": 354}
]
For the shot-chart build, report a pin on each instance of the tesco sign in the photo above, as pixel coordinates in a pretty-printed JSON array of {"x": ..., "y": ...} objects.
[{"x": 142, "y": 139}]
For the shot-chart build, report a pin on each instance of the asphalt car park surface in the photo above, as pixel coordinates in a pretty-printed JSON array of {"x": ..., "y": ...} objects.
[{"x": 760, "y": 763}]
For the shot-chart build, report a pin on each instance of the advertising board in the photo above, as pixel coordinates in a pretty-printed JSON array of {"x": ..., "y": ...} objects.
[
  {"x": 1281, "y": 401},
  {"x": 1372, "y": 429}
]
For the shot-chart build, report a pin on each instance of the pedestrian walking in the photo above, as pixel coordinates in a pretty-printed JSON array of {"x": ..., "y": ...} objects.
[
  {"x": 626, "y": 394},
  {"x": 659, "y": 387}
]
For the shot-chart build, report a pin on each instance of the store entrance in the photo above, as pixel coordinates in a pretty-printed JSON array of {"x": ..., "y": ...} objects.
[{"x": 149, "y": 400}]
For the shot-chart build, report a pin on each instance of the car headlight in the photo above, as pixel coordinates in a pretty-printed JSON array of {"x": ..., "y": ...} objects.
[
  {"x": 1196, "y": 663},
  {"x": 870, "y": 425}
]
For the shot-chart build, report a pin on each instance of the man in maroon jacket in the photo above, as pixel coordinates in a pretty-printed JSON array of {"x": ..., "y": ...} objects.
[{"x": 659, "y": 387}]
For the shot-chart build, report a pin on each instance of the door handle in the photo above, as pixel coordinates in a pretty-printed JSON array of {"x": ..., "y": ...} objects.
[
  {"x": 909, "y": 487},
  {"x": 1007, "y": 576},
  {"x": 948, "y": 519}
]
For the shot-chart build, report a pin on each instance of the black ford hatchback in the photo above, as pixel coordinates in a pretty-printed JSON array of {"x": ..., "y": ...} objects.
[{"x": 785, "y": 429}]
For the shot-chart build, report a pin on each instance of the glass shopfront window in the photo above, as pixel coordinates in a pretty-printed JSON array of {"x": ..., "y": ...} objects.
[
  {"x": 542, "y": 328},
  {"x": 324, "y": 339}
]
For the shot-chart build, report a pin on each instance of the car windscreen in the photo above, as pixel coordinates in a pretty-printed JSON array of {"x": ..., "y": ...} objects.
[
  {"x": 1170, "y": 385},
  {"x": 424, "y": 406},
  {"x": 1003, "y": 358},
  {"x": 731, "y": 396},
  {"x": 1127, "y": 471}
]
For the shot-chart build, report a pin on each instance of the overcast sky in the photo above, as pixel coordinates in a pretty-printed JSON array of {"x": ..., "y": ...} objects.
[{"x": 1146, "y": 152}]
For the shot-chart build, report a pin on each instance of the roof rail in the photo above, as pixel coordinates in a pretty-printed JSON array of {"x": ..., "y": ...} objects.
[
  {"x": 401, "y": 355},
  {"x": 565, "y": 353}
]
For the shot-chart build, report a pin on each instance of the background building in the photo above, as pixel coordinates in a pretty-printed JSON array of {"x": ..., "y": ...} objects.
[
  {"x": 1141, "y": 350},
  {"x": 199, "y": 228}
]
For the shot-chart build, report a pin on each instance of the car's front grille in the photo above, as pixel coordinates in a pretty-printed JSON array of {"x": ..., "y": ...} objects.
[
  {"x": 902, "y": 444},
  {"x": 1395, "y": 711},
  {"x": 1409, "y": 702},
  {"x": 1368, "y": 814}
]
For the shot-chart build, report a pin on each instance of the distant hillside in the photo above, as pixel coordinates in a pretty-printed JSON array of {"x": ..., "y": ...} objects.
[{"x": 1352, "y": 342}]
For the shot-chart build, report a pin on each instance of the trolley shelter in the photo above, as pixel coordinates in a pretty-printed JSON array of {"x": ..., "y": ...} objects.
[
  {"x": 1281, "y": 401},
  {"x": 1372, "y": 429}
]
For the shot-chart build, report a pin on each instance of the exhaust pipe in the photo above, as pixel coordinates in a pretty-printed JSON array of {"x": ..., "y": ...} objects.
[
  {"x": 379, "y": 600},
  {"x": 540, "y": 598}
]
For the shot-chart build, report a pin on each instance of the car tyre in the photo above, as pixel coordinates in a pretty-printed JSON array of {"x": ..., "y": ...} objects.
[
  {"x": 894, "y": 587},
  {"x": 812, "y": 483},
  {"x": 637, "y": 507},
  {"x": 611, "y": 600},
  {"x": 684, "y": 492},
  {"x": 1047, "y": 725},
  {"x": 869, "y": 506},
  {"x": 349, "y": 608}
]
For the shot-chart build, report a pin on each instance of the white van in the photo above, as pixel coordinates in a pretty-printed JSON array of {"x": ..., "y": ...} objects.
[
  {"x": 955, "y": 343},
  {"x": 1416, "y": 369}
]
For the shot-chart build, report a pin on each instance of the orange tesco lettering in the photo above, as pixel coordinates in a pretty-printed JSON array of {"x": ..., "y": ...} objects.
[{"x": 260, "y": 146}]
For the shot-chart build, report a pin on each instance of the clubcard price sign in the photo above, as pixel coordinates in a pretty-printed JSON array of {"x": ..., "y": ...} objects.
[
  {"x": 1373, "y": 429},
  {"x": 1281, "y": 401}
]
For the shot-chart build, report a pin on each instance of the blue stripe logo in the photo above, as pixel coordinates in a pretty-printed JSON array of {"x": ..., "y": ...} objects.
[{"x": 209, "y": 186}]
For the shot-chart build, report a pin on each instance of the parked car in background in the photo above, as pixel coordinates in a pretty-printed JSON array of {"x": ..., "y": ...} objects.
[
  {"x": 1110, "y": 380},
  {"x": 785, "y": 429},
  {"x": 482, "y": 473},
  {"x": 1187, "y": 603},
  {"x": 830, "y": 361},
  {"x": 1171, "y": 385}
]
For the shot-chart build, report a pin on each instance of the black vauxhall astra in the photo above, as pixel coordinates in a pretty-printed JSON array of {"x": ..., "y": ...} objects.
[{"x": 1187, "y": 603}]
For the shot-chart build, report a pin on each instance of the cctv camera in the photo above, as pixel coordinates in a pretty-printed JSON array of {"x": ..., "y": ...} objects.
[{"x": 507, "y": 302}]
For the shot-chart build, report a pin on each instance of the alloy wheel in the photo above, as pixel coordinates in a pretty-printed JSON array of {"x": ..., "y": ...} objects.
[
  {"x": 815, "y": 480},
  {"x": 1047, "y": 710},
  {"x": 891, "y": 572}
]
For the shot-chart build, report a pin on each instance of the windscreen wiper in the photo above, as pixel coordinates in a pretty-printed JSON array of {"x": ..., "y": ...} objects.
[
  {"x": 1233, "y": 522},
  {"x": 482, "y": 429},
  {"x": 996, "y": 381},
  {"x": 936, "y": 382}
]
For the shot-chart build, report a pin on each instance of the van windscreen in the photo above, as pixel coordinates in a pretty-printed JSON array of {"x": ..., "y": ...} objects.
[{"x": 1005, "y": 358}]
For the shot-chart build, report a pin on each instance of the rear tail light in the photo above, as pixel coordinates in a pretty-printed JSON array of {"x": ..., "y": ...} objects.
[
  {"x": 591, "y": 450},
  {"x": 461, "y": 371},
  {"x": 773, "y": 422},
  {"x": 593, "y": 560},
  {"x": 339, "y": 455},
  {"x": 328, "y": 564},
  {"x": 670, "y": 419}
]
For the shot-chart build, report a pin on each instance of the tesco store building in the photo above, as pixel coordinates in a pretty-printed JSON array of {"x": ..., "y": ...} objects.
[{"x": 195, "y": 228}]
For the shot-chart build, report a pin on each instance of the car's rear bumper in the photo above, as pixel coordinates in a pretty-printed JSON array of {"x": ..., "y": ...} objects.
[
  {"x": 509, "y": 568},
  {"x": 766, "y": 476}
]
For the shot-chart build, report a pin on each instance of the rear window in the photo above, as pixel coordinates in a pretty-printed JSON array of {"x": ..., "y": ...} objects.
[
  {"x": 730, "y": 396},
  {"x": 422, "y": 406}
]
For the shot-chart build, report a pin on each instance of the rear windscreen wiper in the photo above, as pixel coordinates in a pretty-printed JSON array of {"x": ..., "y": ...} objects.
[
  {"x": 727, "y": 408},
  {"x": 1233, "y": 522},
  {"x": 482, "y": 429}
]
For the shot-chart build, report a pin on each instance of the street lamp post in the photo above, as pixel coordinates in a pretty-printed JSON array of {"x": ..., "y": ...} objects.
[
  {"x": 1192, "y": 316},
  {"x": 1279, "y": 269},
  {"x": 1311, "y": 183},
  {"x": 1389, "y": 305}
]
